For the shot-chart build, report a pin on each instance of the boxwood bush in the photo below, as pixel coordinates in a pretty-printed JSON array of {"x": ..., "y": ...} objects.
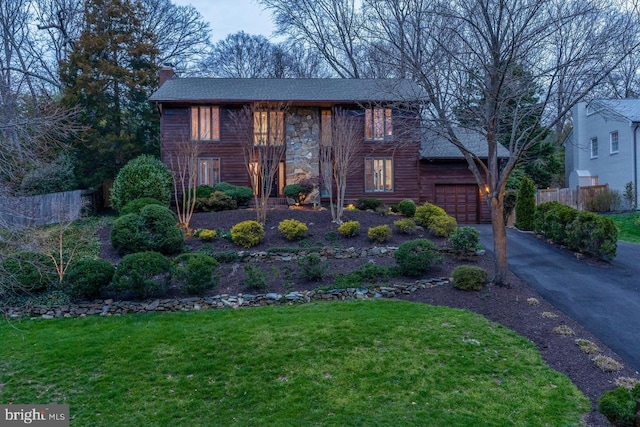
[
  {"x": 465, "y": 240},
  {"x": 144, "y": 176},
  {"x": 195, "y": 273},
  {"x": 407, "y": 207},
  {"x": 135, "y": 206},
  {"x": 154, "y": 228},
  {"x": 425, "y": 213},
  {"x": 368, "y": 203},
  {"x": 247, "y": 233},
  {"x": 417, "y": 256},
  {"x": 468, "y": 278},
  {"x": 142, "y": 274},
  {"x": 86, "y": 278}
]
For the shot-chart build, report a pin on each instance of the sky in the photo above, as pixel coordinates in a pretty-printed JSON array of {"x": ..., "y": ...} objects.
[{"x": 230, "y": 16}]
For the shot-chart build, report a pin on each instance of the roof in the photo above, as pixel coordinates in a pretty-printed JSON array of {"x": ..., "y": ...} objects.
[
  {"x": 626, "y": 109},
  {"x": 286, "y": 90},
  {"x": 436, "y": 146}
]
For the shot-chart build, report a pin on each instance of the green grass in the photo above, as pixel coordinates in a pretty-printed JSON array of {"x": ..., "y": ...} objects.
[
  {"x": 365, "y": 363},
  {"x": 628, "y": 230}
]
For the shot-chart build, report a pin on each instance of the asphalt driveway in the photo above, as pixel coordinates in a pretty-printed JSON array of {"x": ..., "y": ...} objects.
[{"x": 604, "y": 299}]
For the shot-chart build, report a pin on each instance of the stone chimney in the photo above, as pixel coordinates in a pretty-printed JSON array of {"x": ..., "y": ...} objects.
[{"x": 166, "y": 73}]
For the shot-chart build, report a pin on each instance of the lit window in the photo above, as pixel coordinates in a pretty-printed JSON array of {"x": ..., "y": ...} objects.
[
  {"x": 378, "y": 174},
  {"x": 594, "y": 148},
  {"x": 208, "y": 171},
  {"x": 205, "y": 123},
  {"x": 613, "y": 142},
  {"x": 268, "y": 127},
  {"x": 377, "y": 124}
]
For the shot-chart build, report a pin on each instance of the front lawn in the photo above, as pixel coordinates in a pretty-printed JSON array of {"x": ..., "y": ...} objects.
[
  {"x": 629, "y": 231},
  {"x": 382, "y": 363}
]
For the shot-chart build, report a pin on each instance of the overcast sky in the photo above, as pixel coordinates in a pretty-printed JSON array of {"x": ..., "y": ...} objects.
[{"x": 230, "y": 16}]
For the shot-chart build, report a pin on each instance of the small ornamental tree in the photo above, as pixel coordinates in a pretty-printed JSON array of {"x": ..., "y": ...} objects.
[
  {"x": 526, "y": 204},
  {"x": 144, "y": 176}
]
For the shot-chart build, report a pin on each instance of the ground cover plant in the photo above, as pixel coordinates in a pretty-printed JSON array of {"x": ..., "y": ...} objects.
[{"x": 357, "y": 363}]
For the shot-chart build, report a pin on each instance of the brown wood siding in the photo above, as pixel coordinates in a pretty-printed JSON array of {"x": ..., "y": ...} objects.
[{"x": 450, "y": 182}]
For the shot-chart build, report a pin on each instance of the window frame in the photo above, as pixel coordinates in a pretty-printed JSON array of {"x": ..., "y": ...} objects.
[
  {"x": 593, "y": 147},
  {"x": 378, "y": 124},
  {"x": 611, "y": 142},
  {"x": 379, "y": 184},
  {"x": 213, "y": 171},
  {"x": 202, "y": 114}
]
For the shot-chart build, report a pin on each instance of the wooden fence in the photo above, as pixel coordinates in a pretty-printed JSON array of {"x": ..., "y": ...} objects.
[
  {"x": 21, "y": 212},
  {"x": 578, "y": 198}
]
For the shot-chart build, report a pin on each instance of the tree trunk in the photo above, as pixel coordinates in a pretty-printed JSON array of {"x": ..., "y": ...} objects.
[{"x": 499, "y": 242}]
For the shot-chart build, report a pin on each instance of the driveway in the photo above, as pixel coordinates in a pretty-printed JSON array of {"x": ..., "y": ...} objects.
[{"x": 604, "y": 299}]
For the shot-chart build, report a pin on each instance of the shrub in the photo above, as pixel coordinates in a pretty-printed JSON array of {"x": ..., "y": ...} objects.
[
  {"x": 52, "y": 177},
  {"x": 629, "y": 195},
  {"x": 526, "y": 204},
  {"x": 217, "y": 202},
  {"x": 242, "y": 195},
  {"x": 247, "y": 233},
  {"x": 366, "y": 273},
  {"x": 26, "y": 272},
  {"x": 619, "y": 405},
  {"x": 312, "y": 267},
  {"x": 416, "y": 256},
  {"x": 205, "y": 234},
  {"x": 153, "y": 229},
  {"x": 592, "y": 234},
  {"x": 379, "y": 233},
  {"x": 135, "y": 206},
  {"x": 509, "y": 203},
  {"x": 368, "y": 203},
  {"x": 141, "y": 274},
  {"x": 443, "y": 226},
  {"x": 226, "y": 256},
  {"x": 604, "y": 200},
  {"x": 195, "y": 273},
  {"x": 468, "y": 278},
  {"x": 144, "y": 176},
  {"x": 86, "y": 278},
  {"x": 465, "y": 239},
  {"x": 349, "y": 228},
  {"x": 425, "y": 213},
  {"x": 405, "y": 226},
  {"x": 407, "y": 207},
  {"x": 203, "y": 191},
  {"x": 292, "y": 229},
  {"x": 299, "y": 191},
  {"x": 255, "y": 278},
  {"x": 552, "y": 219}
]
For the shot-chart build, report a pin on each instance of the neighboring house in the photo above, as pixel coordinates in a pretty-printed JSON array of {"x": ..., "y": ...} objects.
[
  {"x": 388, "y": 166},
  {"x": 603, "y": 145}
]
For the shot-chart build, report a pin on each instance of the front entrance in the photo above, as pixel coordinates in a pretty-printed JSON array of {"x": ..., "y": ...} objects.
[{"x": 276, "y": 189}]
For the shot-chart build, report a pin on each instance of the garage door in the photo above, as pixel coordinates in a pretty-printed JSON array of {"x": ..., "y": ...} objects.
[{"x": 460, "y": 201}]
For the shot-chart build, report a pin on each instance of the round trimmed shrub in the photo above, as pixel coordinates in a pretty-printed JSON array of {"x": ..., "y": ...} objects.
[
  {"x": 379, "y": 233},
  {"x": 154, "y": 228},
  {"x": 86, "y": 278},
  {"x": 465, "y": 239},
  {"x": 405, "y": 226},
  {"x": 407, "y": 207},
  {"x": 247, "y": 233},
  {"x": 292, "y": 229},
  {"x": 425, "y": 213},
  {"x": 144, "y": 176},
  {"x": 349, "y": 228},
  {"x": 135, "y": 206},
  {"x": 298, "y": 191},
  {"x": 443, "y": 226},
  {"x": 417, "y": 256},
  {"x": 27, "y": 272},
  {"x": 468, "y": 278},
  {"x": 141, "y": 274},
  {"x": 619, "y": 405},
  {"x": 195, "y": 273}
]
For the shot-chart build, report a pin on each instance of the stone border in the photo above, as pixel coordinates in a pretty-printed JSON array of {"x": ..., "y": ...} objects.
[{"x": 110, "y": 307}]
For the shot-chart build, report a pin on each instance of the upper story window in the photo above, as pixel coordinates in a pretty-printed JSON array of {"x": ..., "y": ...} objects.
[
  {"x": 613, "y": 142},
  {"x": 205, "y": 123},
  {"x": 268, "y": 127},
  {"x": 377, "y": 124},
  {"x": 594, "y": 148}
]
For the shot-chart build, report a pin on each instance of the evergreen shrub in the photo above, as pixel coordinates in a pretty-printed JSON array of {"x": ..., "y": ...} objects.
[
  {"x": 417, "y": 256},
  {"x": 142, "y": 274},
  {"x": 87, "y": 277},
  {"x": 247, "y": 233},
  {"x": 144, "y": 176},
  {"x": 468, "y": 277}
]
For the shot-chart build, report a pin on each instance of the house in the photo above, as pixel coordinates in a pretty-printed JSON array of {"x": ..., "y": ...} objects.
[
  {"x": 388, "y": 165},
  {"x": 603, "y": 145}
]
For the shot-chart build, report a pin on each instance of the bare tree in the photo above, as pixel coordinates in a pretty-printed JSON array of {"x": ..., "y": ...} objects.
[
  {"x": 262, "y": 132},
  {"x": 243, "y": 55},
  {"x": 339, "y": 148},
  {"x": 469, "y": 55},
  {"x": 184, "y": 166}
]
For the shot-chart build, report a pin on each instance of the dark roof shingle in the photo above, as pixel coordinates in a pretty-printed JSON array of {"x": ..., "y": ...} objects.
[{"x": 436, "y": 146}]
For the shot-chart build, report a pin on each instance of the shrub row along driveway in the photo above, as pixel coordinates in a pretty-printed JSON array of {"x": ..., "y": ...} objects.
[{"x": 604, "y": 298}]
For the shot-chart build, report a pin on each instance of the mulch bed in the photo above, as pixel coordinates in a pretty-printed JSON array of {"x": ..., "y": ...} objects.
[{"x": 518, "y": 307}]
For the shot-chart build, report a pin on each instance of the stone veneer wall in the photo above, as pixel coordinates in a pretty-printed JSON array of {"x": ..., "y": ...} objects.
[{"x": 303, "y": 138}]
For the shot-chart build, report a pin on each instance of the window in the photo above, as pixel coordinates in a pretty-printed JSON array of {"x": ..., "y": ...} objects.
[
  {"x": 268, "y": 127},
  {"x": 205, "y": 123},
  {"x": 613, "y": 142},
  {"x": 594, "y": 148},
  {"x": 208, "y": 171},
  {"x": 377, "y": 124},
  {"x": 378, "y": 174}
]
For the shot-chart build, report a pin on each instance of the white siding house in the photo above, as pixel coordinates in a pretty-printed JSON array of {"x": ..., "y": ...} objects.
[{"x": 603, "y": 146}]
